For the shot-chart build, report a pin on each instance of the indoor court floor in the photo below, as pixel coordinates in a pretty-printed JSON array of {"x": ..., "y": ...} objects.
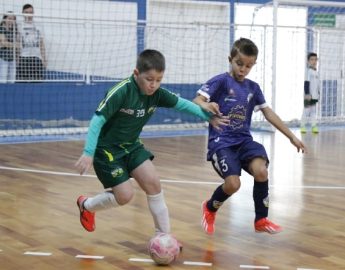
[{"x": 39, "y": 219}]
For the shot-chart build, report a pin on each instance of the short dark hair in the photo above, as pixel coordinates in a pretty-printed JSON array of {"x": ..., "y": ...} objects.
[
  {"x": 311, "y": 54},
  {"x": 8, "y": 13},
  {"x": 244, "y": 46},
  {"x": 150, "y": 59},
  {"x": 26, "y": 6}
]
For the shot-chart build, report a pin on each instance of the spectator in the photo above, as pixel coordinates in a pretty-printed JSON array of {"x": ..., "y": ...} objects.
[
  {"x": 32, "y": 60},
  {"x": 8, "y": 48}
]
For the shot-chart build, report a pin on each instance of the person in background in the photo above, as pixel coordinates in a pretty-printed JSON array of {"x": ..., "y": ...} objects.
[
  {"x": 233, "y": 148},
  {"x": 32, "y": 60},
  {"x": 311, "y": 95},
  {"x": 8, "y": 48}
]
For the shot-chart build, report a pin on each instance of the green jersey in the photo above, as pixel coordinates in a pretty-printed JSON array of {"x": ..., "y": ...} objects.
[{"x": 126, "y": 110}]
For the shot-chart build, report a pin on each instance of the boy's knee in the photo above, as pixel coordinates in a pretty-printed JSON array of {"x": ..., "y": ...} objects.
[
  {"x": 258, "y": 169},
  {"x": 231, "y": 185},
  {"x": 262, "y": 174},
  {"x": 124, "y": 198}
]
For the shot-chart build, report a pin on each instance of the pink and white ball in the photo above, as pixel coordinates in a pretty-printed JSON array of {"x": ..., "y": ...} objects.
[{"x": 163, "y": 248}]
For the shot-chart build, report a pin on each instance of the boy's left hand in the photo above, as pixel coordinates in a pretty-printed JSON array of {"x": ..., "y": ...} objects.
[{"x": 298, "y": 144}]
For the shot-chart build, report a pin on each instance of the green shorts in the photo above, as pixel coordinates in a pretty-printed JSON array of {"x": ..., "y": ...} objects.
[
  {"x": 114, "y": 164},
  {"x": 308, "y": 103}
]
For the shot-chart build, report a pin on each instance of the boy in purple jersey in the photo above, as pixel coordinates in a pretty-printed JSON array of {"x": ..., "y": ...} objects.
[{"x": 233, "y": 148}]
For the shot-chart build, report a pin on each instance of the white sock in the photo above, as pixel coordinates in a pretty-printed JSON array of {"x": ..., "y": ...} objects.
[
  {"x": 159, "y": 211},
  {"x": 101, "y": 201}
]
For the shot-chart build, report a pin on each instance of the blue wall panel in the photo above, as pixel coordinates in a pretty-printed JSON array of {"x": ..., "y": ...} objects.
[{"x": 34, "y": 103}]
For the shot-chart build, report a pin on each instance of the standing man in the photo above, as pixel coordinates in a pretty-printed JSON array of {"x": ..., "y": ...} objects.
[
  {"x": 32, "y": 60},
  {"x": 311, "y": 95}
]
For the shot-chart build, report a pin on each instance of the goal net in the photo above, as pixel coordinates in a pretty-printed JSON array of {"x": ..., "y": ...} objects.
[
  {"x": 300, "y": 27},
  {"x": 91, "y": 45}
]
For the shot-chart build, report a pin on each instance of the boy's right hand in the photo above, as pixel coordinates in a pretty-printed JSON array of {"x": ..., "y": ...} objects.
[
  {"x": 84, "y": 163},
  {"x": 218, "y": 121}
]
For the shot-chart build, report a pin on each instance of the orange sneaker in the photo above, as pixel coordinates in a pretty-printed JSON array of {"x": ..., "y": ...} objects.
[
  {"x": 87, "y": 218},
  {"x": 208, "y": 219},
  {"x": 265, "y": 225}
]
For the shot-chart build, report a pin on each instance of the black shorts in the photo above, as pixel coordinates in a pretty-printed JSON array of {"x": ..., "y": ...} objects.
[
  {"x": 30, "y": 69},
  {"x": 311, "y": 102}
]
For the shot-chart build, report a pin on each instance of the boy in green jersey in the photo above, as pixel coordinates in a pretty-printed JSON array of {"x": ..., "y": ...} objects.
[{"x": 115, "y": 150}]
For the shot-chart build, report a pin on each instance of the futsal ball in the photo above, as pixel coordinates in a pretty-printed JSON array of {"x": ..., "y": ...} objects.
[{"x": 163, "y": 248}]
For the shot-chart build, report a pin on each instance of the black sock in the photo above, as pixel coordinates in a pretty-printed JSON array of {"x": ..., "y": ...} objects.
[
  {"x": 261, "y": 200},
  {"x": 217, "y": 199}
]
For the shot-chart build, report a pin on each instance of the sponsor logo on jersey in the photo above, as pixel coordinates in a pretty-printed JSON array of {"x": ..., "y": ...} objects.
[
  {"x": 229, "y": 99},
  {"x": 128, "y": 111},
  {"x": 237, "y": 116},
  {"x": 231, "y": 95},
  {"x": 151, "y": 109}
]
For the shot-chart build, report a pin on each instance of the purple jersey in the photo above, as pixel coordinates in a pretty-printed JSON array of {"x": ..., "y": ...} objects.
[{"x": 237, "y": 100}]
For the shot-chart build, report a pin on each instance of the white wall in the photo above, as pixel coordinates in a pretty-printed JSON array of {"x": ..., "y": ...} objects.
[
  {"x": 291, "y": 53},
  {"x": 196, "y": 41}
]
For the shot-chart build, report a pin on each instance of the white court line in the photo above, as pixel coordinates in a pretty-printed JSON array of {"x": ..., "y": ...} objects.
[
  {"x": 197, "y": 263},
  {"x": 140, "y": 260},
  {"x": 33, "y": 253},
  {"x": 162, "y": 180},
  {"x": 90, "y": 257},
  {"x": 254, "y": 267},
  {"x": 307, "y": 269},
  {"x": 94, "y": 176},
  {"x": 186, "y": 262},
  {"x": 43, "y": 172}
]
